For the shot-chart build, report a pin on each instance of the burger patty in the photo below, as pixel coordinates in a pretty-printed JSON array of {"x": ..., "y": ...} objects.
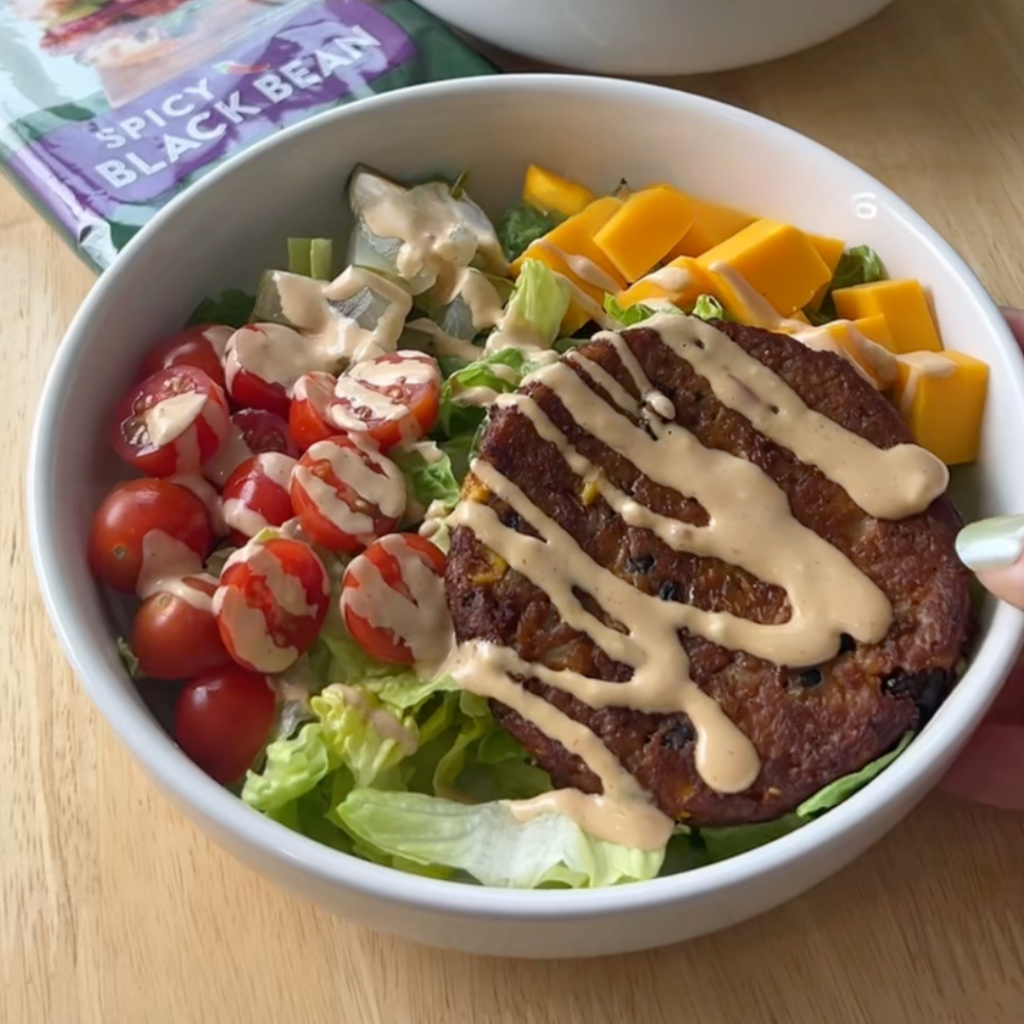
[{"x": 809, "y": 726}]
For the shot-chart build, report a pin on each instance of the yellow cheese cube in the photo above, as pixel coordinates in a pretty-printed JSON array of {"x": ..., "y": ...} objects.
[
  {"x": 575, "y": 317},
  {"x": 875, "y": 328},
  {"x": 831, "y": 251},
  {"x": 712, "y": 225},
  {"x": 942, "y": 399},
  {"x": 649, "y": 224},
  {"x": 800, "y": 317},
  {"x": 842, "y": 338},
  {"x": 682, "y": 282},
  {"x": 778, "y": 262},
  {"x": 570, "y": 250},
  {"x": 551, "y": 193},
  {"x": 904, "y": 306}
]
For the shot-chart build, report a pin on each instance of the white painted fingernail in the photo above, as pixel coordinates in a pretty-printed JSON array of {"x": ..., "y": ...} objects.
[{"x": 992, "y": 543}]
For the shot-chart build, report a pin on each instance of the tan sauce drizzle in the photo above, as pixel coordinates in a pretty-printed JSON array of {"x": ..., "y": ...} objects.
[
  {"x": 165, "y": 562},
  {"x": 218, "y": 337},
  {"x": 880, "y": 364},
  {"x": 385, "y": 489},
  {"x": 434, "y": 229},
  {"x": 760, "y": 309},
  {"x": 604, "y": 380},
  {"x": 672, "y": 279},
  {"x": 920, "y": 365},
  {"x": 232, "y": 453},
  {"x": 748, "y": 387},
  {"x": 168, "y": 420},
  {"x": 388, "y": 727},
  {"x": 445, "y": 344},
  {"x": 420, "y": 619},
  {"x": 277, "y": 468},
  {"x": 828, "y": 595},
  {"x": 585, "y": 269},
  {"x": 479, "y": 295}
]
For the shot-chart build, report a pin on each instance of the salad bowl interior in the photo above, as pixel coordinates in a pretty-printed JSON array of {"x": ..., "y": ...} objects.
[{"x": 231, "y": 227}]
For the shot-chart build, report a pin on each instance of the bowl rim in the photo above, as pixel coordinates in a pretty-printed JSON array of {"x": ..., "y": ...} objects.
[{"x": 163, "y": 760}]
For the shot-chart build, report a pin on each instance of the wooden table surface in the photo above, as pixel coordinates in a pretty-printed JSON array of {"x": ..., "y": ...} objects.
[{"x": 114, "y": 909}]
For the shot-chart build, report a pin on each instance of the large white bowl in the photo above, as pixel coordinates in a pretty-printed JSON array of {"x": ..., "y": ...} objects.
[
  {"x": 655, "y": 37},
  {"x": 227, "y": 229}
]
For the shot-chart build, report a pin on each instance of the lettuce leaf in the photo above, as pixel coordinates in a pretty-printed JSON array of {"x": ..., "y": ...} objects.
[
  {"x": 722, "y": 843},
  {"x": 707, "y": 307},
  {"x": 500, "y": 372},
  {"x": 520, "y": 226},
  {"x": 859, "y": 265},
  {"x": 538, "y": 304},
  {"x": 128, "y": 658},
  {"x": 627, "y": 316},
  {"x": 429, "y": 478},
  {"x": 490, "y": 844}
]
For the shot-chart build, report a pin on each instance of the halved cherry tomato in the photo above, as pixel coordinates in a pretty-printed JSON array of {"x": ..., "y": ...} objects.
[
  {"x": 172, "y": 422},
  {"x": 258, "y": 374},
  {"x": 222, "y": 720},
  {"x": 257, "y": 494},
  {"x": 202, "y": 347},
  {"x": 346, "y": 494},
  {"x": 252, "y": 431},
  {"x": 175, "y": 634},
  {"x": 417, "y": 625},
  {"x": 271, "y": 603},
  {"x": 394, "y": 398},
  {"x": 310, "y": 415},
  {"x": 129, "y": 513}
]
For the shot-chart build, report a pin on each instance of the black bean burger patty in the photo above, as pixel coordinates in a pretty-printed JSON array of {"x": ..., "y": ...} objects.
[{"x": 809, "y": 726}]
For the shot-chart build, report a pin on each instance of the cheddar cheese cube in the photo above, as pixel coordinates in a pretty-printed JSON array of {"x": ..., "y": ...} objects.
[
  {"x": 800, "y": 317},
  {"x": 842, "y": 338},
  {"x": 875, "y": 328},
  {"x": 712, "y": 225},
  {"x": 942, "y": 399},
  {"x": 641, "y": 234},
  {"x": 569, "y": 249},
  {"x": 831, "y": 251},
  {"x": 575, "y": 317},
  {"x": 778, "y": 261},
  {"x": 904, "y": 306},
  {"x": 551, "y": 193},
  {"x": 681, "y": 282}
]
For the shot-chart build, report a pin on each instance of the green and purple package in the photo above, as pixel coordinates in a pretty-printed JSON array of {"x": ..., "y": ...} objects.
[{"x": 110, "y": 108}]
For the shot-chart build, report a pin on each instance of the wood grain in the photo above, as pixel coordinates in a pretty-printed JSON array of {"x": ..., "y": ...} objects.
[{"x": 112, "y": 908}]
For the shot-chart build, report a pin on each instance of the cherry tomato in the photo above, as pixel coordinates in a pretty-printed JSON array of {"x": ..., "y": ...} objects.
[
  {"x": 175, "y": 634},
  {"x": 265, "y": 431},
  {"x": 416, "y": 625},
  {"x": 134, "y": 509},
  {"x": 393, "y": 398},
  {"x": 346, "y": 494},
  {"x": 172, "y": 422},
  {"x": 222, "y": 720},
  {"x": 202, "y": 347},
  {"x": 257, "y": 494},
  {"x": 310, "y": 415},
  {"x": 258, "y": 374},
  {"x": 252, "y": 431},
  {"x": 271, "y": 603}
]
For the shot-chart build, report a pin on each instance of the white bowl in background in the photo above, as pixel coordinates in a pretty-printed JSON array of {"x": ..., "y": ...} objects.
[
  {"x": 655, "y": 37},
  {"x": 227, "y": 228}
]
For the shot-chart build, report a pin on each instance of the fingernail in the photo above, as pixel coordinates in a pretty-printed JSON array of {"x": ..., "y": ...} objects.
[{"x": 992, "y": 543}]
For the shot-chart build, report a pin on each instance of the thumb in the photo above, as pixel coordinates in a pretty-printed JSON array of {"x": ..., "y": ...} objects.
[{"x": 992, "y": 549}]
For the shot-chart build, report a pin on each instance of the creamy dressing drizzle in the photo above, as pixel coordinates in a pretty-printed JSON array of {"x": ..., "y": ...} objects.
[
  {"x": 361, "y": 391},
  {"x": 921, "y": 365},
  {"x": 386, "y": 489},
  {"x": 168, "y": 420},
  {"x": 419, "y": 618},
  {"x": 445, "y": 344},
  {"x": 827, "y": 594},
  {"x": 583, "y": 267},
  {"x": 166, "y": 561},
  {"x": 672, "y": 279},
  {"x": 434, "y": 230},
  {"x": 757, "y": 306},
  {"x": 231, "y": 454},
  {"x": 479, "y": 295}
]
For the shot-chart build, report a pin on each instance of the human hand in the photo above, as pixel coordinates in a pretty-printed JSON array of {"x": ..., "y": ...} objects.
[{"x": 991, "y": 769}]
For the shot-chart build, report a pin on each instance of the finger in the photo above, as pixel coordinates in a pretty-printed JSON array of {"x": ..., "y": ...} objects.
[
  {"x": 993, "y": 548},
  {"x": 1015, "y": 318},
  {"x": 991, "y": 769}
]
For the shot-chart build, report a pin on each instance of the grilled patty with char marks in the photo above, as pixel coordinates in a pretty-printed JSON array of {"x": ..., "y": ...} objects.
[{"x": 809, "y": 726}]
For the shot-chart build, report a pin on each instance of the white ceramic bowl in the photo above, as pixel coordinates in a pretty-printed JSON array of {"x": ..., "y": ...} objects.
[
  {"x": 228, "y": 228},
  {"x": 655, "y": 37}
]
